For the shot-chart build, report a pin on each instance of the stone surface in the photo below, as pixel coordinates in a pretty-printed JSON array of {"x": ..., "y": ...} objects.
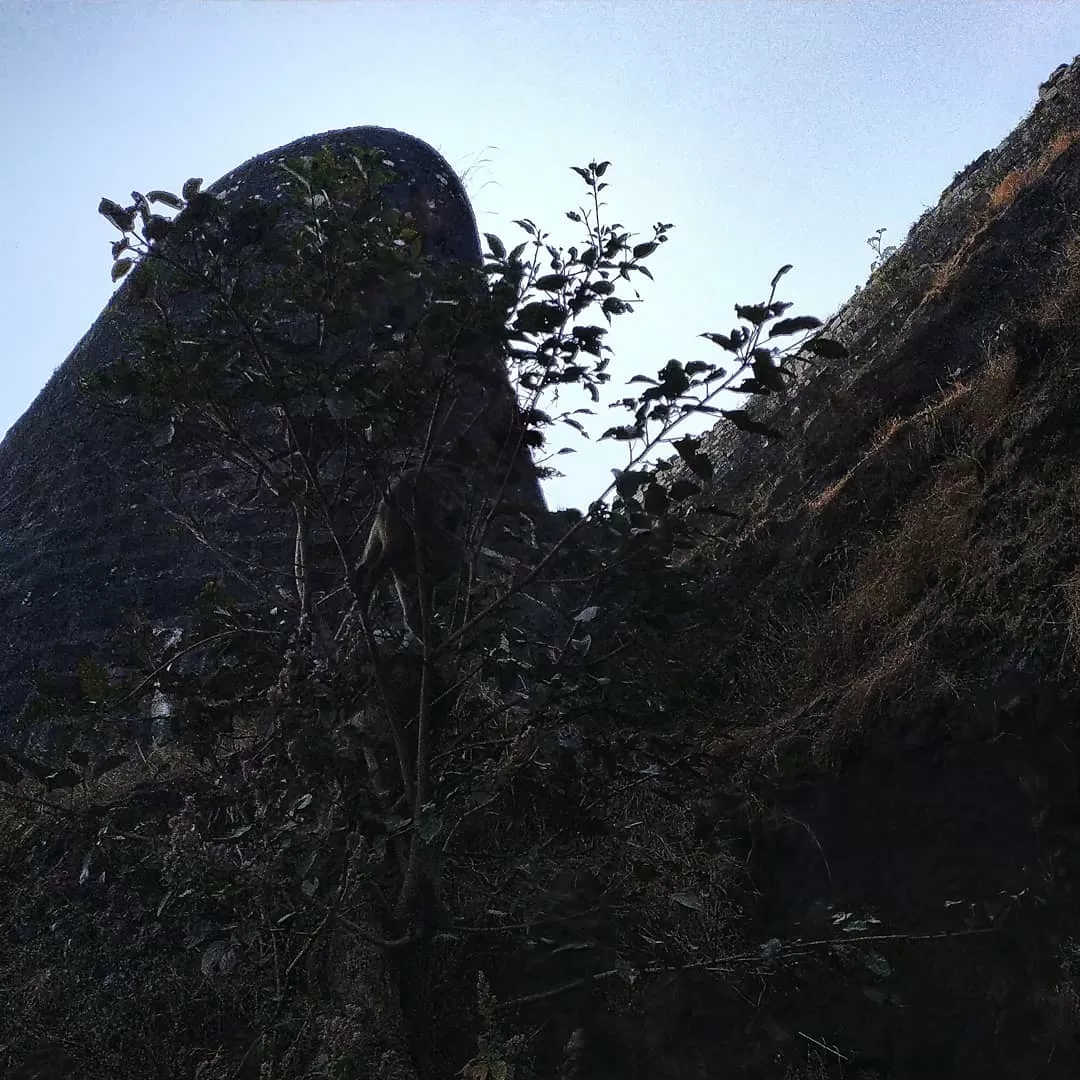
[{"x": 83, "y": 538}]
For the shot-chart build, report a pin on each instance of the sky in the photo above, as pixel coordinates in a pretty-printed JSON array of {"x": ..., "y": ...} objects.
[{"x": 768, "y": 133}]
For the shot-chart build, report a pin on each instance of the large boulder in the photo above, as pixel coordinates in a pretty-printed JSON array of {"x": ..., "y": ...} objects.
[{"x": 84, "y": 536}]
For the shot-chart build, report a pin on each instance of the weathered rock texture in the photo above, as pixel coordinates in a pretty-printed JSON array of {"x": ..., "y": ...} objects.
[
  {"x": 898, "y": 626},
  {"x": 83, "y": 538}
]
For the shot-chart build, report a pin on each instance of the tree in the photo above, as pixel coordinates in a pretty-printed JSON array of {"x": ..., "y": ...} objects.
[{"x": 313, "y": 354}]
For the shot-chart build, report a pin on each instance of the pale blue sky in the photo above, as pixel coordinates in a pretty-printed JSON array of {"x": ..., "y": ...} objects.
[{"x": 767, "y": 132}]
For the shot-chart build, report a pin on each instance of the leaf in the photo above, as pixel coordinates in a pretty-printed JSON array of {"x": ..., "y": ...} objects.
[
  {"x": 826, "y": 348},
  {"x": 62, "y": 779},
  {"x": 656, "y": 500},
  {"x": 157, "y": 227},
  {"x": 191, "y": 188},
  {"x": 698, "y": 463},
  {"x": 236, "y": 833},
  {"x": 752, "y": 313},
  {"x": 251, "y": 222},
  {"x": 202, "y": 206},
  {"x": 701, "y": 466},
  {"x": 123, "y": 219},
  {"x": 533, "y": 417},
  {"x": 767, "y": 373},
  {"x": 166, "y": 197},
  {"x": 540, "y": 317},
  {"x": 793, "y": 326},
  {"x": 684, "y": 489},
  {"x": 687, "y": 445},
  {"x": 675, "y": 381},
  {"x": 551, "y": 282},
  {"x": 688, "y": 900},
  {"x": 750, "y": 386},
  {"x": 141, "y": 204},
  {"x": 744, "y": 422},
  {"x": 623, "y": 433},
  {"x": 496, "y": 245},
  {"x": 722, "y": 340},
  {"x": 643, "y": 251},
  {"x": 628, "y": 483},
  {"x": 213, "y": 957},
  {"x": 779, "y": 274},
  {"x": 591, "y": 334},
  {"x": 602, "y": 168}
]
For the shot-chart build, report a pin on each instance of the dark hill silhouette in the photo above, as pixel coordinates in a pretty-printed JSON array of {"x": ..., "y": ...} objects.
[{"x": 83, "y": 539}]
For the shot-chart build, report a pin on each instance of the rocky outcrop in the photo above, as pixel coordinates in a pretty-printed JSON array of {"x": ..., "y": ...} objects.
[{"x": 84, "y": 537}]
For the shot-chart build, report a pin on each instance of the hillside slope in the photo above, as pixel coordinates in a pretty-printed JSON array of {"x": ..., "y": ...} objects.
[
  {"x": 818, "y": 817},
  {"x": 902, "y": 592}
]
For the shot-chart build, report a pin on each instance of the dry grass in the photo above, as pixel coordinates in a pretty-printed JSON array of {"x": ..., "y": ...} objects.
[
  {"x": 993, "y": 392},
  {"x": 866, "y": 649},
  {"x": 1058, "y": 308},
  {"x": 886, "y": 431},
  {"x": 925, "y": 550},
  {"x": 979, "y": 405},
  {"x": 1002, "y": 196},
  {"x": 1010, "y": 185},
  {"x": 827, "y": 496},
  {"x": 1062, "y": 1004},
  {"x": 1059, "y": 144},
  {"x": 1071, "y": 590},
  {"x": 1016, "y": 181},
  {"x": 865, "y": 702},
  {"x": 28, "y": 810},
  {"x": 898, "y": 443}
]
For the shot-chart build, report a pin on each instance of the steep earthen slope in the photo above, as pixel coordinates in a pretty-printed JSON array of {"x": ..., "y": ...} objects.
[{"x": 900, "y": 603}]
